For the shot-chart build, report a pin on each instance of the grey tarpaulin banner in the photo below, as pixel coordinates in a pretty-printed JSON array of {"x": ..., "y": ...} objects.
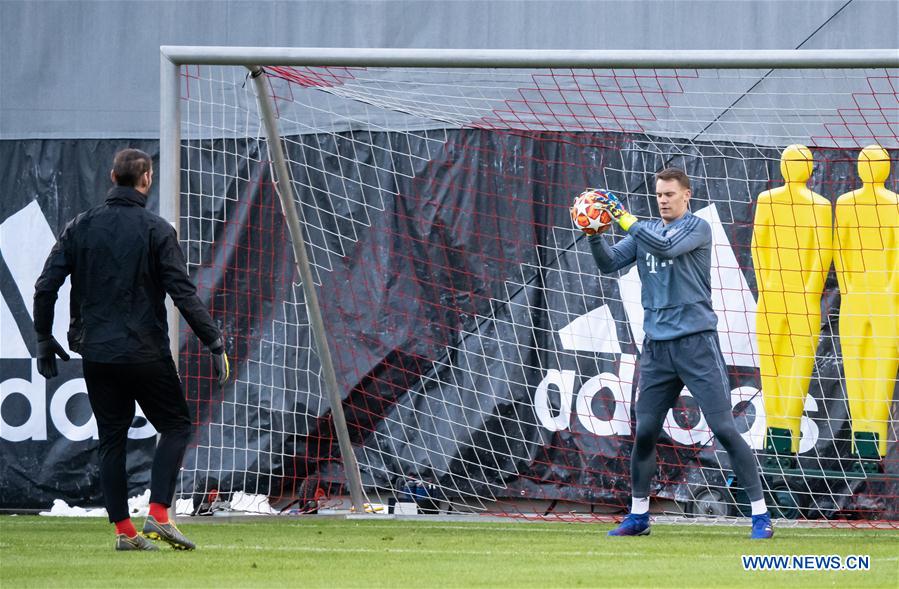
[{"x": 390, "y": 374}]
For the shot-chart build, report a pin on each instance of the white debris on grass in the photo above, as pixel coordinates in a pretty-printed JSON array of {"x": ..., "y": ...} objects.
[
  {"x": 139, "y": 506},
  {"x": 61, "y": 509},
  {"x": 184, "y": 506},
  {"x": 256, "y": 504}
]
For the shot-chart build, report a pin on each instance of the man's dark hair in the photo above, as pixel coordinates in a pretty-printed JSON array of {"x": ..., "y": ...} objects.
[
  {"x": 674, "y": 174},
  {"x": 129, "y": 165}
]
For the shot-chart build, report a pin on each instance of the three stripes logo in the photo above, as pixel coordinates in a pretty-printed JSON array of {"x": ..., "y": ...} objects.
[{"x": 28, "y": 402}]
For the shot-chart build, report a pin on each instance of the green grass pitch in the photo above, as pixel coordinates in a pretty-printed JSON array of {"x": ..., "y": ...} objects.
[{"x": 324, "y": 552}]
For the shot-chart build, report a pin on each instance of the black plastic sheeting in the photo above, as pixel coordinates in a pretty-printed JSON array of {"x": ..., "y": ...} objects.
[
  {"x": 441, "y": 295},
  {"x": 421, "y": 314},
  {"x": 64, "y": 177}
]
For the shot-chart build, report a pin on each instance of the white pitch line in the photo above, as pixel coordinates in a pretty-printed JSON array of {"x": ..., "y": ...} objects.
[
  {"x": 319, "y": 549},
  {"x": 426, "y": 551},
  {"x": 536, "y": 528},
  {"x": 590, "y": 529}
]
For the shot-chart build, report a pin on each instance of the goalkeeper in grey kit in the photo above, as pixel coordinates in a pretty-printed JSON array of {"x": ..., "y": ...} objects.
[{"x": 681, "y": 346}]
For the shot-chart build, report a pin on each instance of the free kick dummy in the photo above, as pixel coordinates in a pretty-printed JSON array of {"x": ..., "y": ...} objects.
[
  {"x": 867, "y": 263},
  {"x": 791, "y": 253}
]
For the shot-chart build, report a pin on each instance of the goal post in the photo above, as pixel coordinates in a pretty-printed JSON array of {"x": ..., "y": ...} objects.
[
  {"x": 316, "y": 324},
  {"x": 384, "y": 234}
]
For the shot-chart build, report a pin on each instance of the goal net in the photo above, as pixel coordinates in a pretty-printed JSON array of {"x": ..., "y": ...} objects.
[{"x": 484, "y": 364}]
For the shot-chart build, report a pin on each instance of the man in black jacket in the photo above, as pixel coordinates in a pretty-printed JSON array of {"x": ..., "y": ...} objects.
[{"x": 123, "y": 260}]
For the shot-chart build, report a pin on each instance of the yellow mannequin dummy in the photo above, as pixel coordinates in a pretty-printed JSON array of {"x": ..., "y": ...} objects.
[
  {"x": 791, "y": 253},
  {"x": 867, "y": 263}
]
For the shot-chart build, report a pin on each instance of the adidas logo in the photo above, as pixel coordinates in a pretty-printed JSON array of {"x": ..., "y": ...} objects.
[
  {"x": 595, "y": 332},
  {"x": 28, "y": 403}
]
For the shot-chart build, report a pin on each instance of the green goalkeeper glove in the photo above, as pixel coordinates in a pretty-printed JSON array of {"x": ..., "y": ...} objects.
[
  {"x": 613, "y": 204},
  {"x": 220, "y": 361}
]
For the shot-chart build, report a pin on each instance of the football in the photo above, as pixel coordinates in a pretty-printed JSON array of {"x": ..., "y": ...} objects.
[{"x": 589, "y": 215}]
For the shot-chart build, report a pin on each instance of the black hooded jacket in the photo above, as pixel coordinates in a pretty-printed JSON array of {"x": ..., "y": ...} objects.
[{"x": 123, "y": 259}]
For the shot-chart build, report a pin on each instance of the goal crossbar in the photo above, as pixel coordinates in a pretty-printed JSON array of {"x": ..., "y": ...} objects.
[{"x": 524, "y": 58}]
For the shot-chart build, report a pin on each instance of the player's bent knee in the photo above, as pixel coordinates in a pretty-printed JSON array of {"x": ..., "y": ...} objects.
[
  {"x": 645, "y": 438},
  {"x": 725, "y": 431},
  {"x": 180, "y": 429}
]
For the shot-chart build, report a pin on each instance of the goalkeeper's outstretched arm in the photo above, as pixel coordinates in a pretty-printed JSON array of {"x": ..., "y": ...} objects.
[
  {"x": 692, "y": 234},
  {"x": 612, "y": 258}
]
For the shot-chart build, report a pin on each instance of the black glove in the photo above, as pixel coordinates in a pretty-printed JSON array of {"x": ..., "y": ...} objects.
[
  {"x": 220, "y": 361},
  {"x": 47, "y": 351}
]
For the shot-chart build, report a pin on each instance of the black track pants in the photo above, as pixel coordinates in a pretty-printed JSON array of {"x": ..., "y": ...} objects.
[{"x": 112, "y": 390}]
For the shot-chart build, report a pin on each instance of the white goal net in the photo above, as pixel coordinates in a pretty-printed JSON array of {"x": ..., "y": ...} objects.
[{"x": 484, "y": 363}]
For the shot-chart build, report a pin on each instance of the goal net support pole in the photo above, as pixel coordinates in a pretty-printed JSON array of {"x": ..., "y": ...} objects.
[{"x": 288, "y": 206}]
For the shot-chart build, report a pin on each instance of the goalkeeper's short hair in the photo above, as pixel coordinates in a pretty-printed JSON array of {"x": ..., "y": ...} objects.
[{"x": 674, "y": 174}]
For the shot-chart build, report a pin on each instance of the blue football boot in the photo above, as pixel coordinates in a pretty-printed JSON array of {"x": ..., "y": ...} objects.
[
  {"x": 633, "y": 525},
  {"x": 761, "y": 527}
]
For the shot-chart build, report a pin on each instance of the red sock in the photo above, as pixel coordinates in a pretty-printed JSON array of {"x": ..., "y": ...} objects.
[
  {"x": 125, "y": 527},
  {"x": 160, "y": 512}
]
